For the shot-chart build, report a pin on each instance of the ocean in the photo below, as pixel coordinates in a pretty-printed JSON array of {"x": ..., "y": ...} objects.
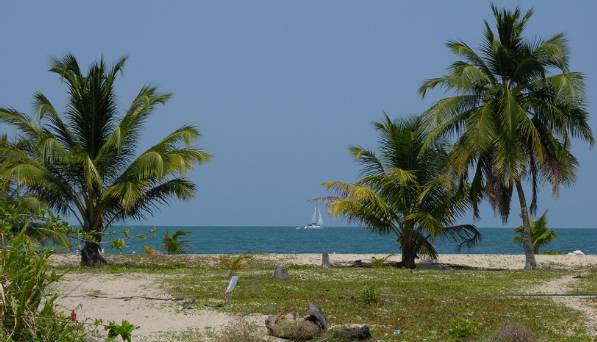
[{"x": 205, "y": 240}]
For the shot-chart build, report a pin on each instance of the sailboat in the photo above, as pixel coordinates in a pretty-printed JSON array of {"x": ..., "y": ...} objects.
[{"x": 316, "y": 220}]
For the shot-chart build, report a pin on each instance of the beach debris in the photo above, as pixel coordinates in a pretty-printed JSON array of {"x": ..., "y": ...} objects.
[
  {"x": 325, "y": 260},
  {"x": 360, "y": 263},
  {"x": 576, "y": 252},
  {"x": 281, "y": 272},
  {"x": 231, "y": 286},
  {"x": 397, "y": 332},
  {"x": 188, "y": 304},
  {"x": 356, "y": 333},
  {"x": 288, "y": 326}
]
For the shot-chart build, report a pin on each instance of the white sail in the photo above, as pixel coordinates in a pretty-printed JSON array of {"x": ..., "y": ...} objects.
[
  {"x": 315, "y": 216},
  {"x": 319, "y": 218}
]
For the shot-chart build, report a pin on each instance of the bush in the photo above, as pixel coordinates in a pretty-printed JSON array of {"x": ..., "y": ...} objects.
[
  {"x": 26, "y": 313},
  {"x": 172, "y": 244},
  {"x": 461, "y": 329},
  {"x": 512, "y": 332},
  {"x": 370, "y": 295},
  {"x": 233, "y": 264},
  {"x": 379, "y": 262}
]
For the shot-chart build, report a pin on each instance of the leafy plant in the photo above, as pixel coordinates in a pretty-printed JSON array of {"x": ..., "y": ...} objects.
[
  {"x": 461, "y": 329},
  {"x": 540, "y": 233},
  {"x": 27, "y": 313},
  {"x": 150, "y": 250},
  {"x": 233, "y": 264},
  {"x": 370, "y": 295},
  {"x": 406, "y": 191},
  {"x": 124, "y": 330},
  {"x": 84, "y": 161},
  {"x": 514, "y": 109},
  {"x": 172, "y": 244},
  {"x": 379, "y": 262},
  {"x": 37, "y": 222}
]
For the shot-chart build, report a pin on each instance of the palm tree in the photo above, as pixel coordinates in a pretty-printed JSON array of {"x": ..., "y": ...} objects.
[
  {"x": 405, "y": 191},
  {"x": 540, "y": 233},
  {"x": 515, "y": 108},
  {"x": 84, "y": 161},
  {"x": 172, "y": 244}
]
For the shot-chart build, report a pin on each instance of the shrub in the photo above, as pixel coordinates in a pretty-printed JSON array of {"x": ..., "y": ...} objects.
[
  {"x": 370, "y": 295},
  {"x": 461, "y": 329},
  {"x": 124, "y": 330},
  {"x": 512, "y": 332},
  {"x": 172, "y": 244},
  {"x": 150, "y": 250},
  {"x": 233, "y": 264},
  {"x": 379, "y": 262},
  {"x": 26, "y": 313}
]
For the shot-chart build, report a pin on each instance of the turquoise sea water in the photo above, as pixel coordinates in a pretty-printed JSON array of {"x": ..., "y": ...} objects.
[{"x": 336, "y": 239}]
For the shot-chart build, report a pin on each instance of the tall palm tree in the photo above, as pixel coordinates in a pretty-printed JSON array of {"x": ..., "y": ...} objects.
[
  {"x": 84, "y": 161},
  {"x": 515, "y": 108},
  {"x": 405, "y": 191}
]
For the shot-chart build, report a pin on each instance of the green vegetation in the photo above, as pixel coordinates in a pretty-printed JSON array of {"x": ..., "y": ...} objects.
[
  {"x": 423, "y": 304},
  {"x": 83, "y": 162},
  {"x": 172, "y": 244},
  {"x": 232, "y": 264},
  {"x": 380, "y": 262},
  {"x": 515, "y": 110},
  {"x": 405, "y": 191},
  {"x": 540, "y": 234},
  {"x": 26, "y": 312},
  {"x": 124, "y": 330}
]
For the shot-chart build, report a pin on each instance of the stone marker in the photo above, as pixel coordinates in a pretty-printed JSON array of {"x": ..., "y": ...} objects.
[
  {"x": 325, "y": 260},
  {"x": 281, "y": 272}
]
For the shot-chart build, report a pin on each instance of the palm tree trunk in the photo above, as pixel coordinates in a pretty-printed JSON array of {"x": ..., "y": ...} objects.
[
  {"x": 408, "y": 249},
  {"x": 527, "y": 242},
  {"x": 408, "y": 258},
  {"x": 91, "y": 251}
]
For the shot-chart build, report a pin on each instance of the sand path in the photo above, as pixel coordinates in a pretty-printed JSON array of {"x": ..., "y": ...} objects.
[
  {"x": 562, "y": 286},
  {"x": 125, "y": 296}
]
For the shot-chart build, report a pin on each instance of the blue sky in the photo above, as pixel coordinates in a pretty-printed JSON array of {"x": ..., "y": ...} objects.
[{"x": 279, "y": 89}]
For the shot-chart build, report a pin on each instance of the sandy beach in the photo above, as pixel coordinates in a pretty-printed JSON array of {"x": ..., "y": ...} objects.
[{"x": 142, "y": 298}]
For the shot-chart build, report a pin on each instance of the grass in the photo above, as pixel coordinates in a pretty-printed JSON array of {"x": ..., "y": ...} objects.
[
  {"x": 587, "y": 283},
  {"x": 426, "y": 305}
]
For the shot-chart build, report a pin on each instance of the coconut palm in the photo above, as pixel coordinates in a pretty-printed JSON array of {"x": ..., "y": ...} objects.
[
  {"x": 84, "y": 161},
  {"x": 405, "y": 191},
  {"x": 540, "y": 233},
  {"x": 514, "y": 110},
  {"x": 172, "y": 244}
]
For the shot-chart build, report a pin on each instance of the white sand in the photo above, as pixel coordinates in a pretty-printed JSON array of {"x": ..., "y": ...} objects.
[{"x": 104, "y": 296}]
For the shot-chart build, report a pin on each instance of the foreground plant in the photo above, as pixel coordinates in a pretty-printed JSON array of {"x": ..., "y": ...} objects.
[
  {"x": 27, "y": 313},
  {"x": 406, "y": 190},
  {"x": 84, "y": 163},
  {"x": 516, "y": 106}
]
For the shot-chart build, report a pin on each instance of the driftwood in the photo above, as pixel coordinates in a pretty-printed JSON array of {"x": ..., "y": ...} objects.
[
  {"x": 360, "y": 333},
  {"x": 289, "y": 327}
]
